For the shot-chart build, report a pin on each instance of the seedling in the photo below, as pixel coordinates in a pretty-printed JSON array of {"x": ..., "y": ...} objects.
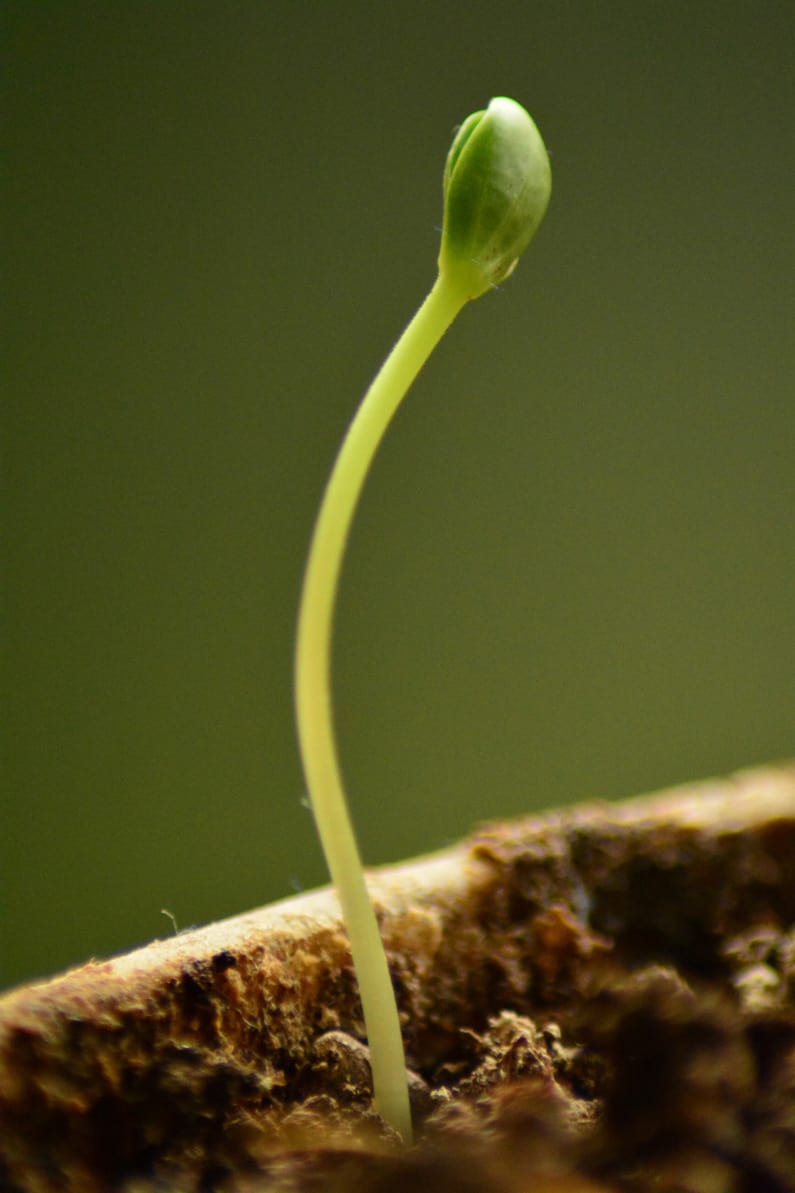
[{"x": 496, "y": 189}]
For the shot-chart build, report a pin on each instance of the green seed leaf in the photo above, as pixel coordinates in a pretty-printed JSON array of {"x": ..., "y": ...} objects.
[{"x": 497, "y": 183}]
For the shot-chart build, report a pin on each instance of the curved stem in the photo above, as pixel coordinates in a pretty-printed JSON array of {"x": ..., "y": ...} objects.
[{"x": 313, "y": 692}]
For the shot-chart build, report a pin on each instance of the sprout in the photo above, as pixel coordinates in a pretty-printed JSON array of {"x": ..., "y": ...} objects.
[{"x": 497, "y": 186}]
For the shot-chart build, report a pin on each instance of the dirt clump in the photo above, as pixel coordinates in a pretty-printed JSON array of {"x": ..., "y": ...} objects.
[{"x": 597, "y": 1000}]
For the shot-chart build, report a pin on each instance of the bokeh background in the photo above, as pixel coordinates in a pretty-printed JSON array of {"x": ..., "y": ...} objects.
[{"x": 573, "y": 573}]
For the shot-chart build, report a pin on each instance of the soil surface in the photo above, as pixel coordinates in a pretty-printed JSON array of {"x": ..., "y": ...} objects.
[{"x": 599, "y": 999}]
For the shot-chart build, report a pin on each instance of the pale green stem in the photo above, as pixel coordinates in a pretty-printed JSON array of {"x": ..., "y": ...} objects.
[{"x": 313, "y": 692}]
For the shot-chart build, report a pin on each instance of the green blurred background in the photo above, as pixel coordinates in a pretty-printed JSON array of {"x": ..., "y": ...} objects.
[{"x": 573, "y": 573}]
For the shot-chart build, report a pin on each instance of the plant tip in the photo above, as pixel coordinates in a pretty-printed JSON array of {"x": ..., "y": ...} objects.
[{"x": 497, "y": 183}]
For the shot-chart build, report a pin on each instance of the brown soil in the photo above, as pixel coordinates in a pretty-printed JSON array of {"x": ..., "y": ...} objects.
[{"x": 598, "y": 999}]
